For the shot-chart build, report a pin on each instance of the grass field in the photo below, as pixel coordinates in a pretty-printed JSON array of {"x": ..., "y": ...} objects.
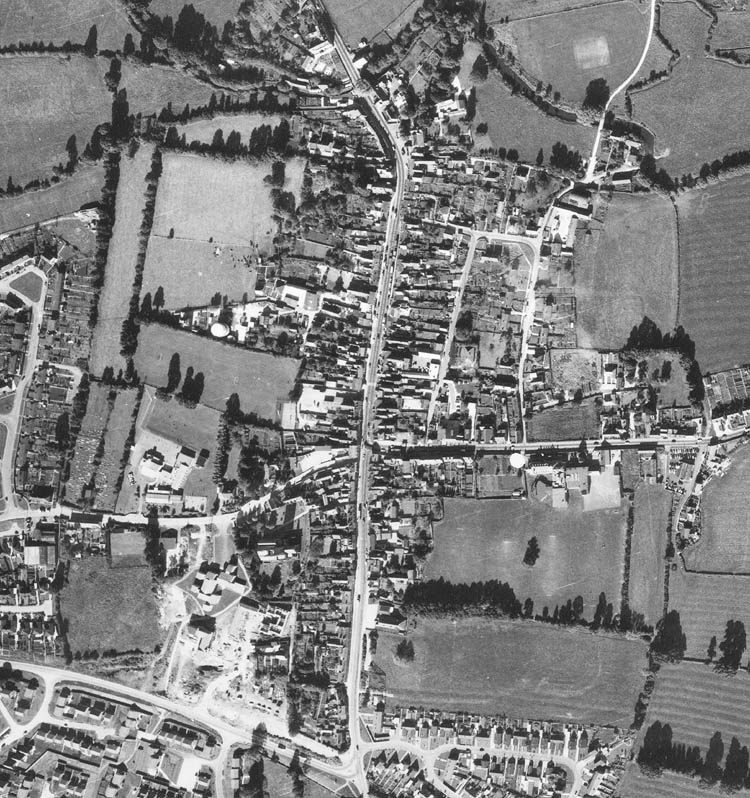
[
  {"x": 569, "y": 422},
  {"x": 581, "y": 552},
  {"x": 83, "y": 187},
  {"x": 714, "y": 274},
  {"x": 705, "y": 603},
  {"x": 682, "y": 112},
  {"x": 203, "y": 129},
  {"x": 520, "y": 9},
  {"x": 725, "y": 543},
  {"x": 527, "y": 670},
  {"x": 626, "y": 271},
  {"x": 109, "y": 608},
  {"x": 732, "y": 30},
  {"x": 119, "y": 272},
  {"x": 649, "y": 542},
  {"x": 59, "y": 21},
  {"x": 118, "y": 428},
  {"x": 261, "y": 380},
  {"x": 513, "y": 122},
  {"x": 150, "y": 88},
  {"x": 29, "y": 285},
  {"x": 362, "y": 19},
  {"x": 571, "y": 48},
  {"x": 45, "y": 100},
  {"x": 204, "y": 199},
  {"x": 191, "y": 272}
]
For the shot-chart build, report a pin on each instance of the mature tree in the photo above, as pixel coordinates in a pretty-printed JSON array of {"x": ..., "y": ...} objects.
[
  {"x": 128, "y": 46},
  {"x": 597, "y": 94},
  {"x": 276, "y": 576},
  {"x": 540, "y": 157},
  {"x": 187, "y": 385},
  {"x": 158, "y": 299},
  {"x": 528, "y": 608},
  {"x": 173, "y": 374},
  {"x": 482, "y": 128},
  {"x": 480, "y": 69},
  {"x": 711, "y": 771},
  {"x": 405, "y": 650},
  {"x": 711, "y": 651},
  {"x": 146, "y": 308},
  {"x": 121, "y": 124},
  {"x": 669, "y": 642},
  {"x": 62, "y": 430},
  {"x": 732, "y": 647},
  {"x": 735, "y": 767},
  {"x": 532, "y": 552},
  {"x": 471, "y": 105},
  {"x": 233, "y": 410},
  {"x": 198, "y": 384},
  {"x": 90, "y": 47},
  {"x": 72, "y": 150}
]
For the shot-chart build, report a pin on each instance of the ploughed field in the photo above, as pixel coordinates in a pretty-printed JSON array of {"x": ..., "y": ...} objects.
[
  {"x": 581, "y": 552},
  {"x": 522, "y": 669}
]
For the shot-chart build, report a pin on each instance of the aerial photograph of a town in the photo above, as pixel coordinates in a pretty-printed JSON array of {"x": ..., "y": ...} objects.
[{"x": 374, "y": 398}]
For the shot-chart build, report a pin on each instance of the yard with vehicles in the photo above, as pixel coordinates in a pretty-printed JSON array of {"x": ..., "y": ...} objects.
[
  {"x": 109, "y": 608},
  {"x": 714, "y": 280},
  {"x": 262, "y": 380},
  {"x": 67, "y": 196},
  {"x": 581, "y": 552},
  {"x": 119, "y": 272},
  {"x": 46, "y": 99},
  {"x": 626, "y": 269},
  {"x": 705, "y": 603},
  {"x": 378, "y": 22},
  {"x": 210, "y": 200},
  {"x": 682, "y": 111},
  {"x": 647, "y": 549},
  {"x": 519, "y": 668},
  {"x": 567, "y": 422},
  {"x": 696, "y": 702},
  {"x": 570, "y": 48},
  {"x": 724, "y": 544},
  {"x": 191, "y": 272},
  {"x": 58, "y": 21}
]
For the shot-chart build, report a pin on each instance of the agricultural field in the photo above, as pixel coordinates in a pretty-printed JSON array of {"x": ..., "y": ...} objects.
[
  {"x": 724, "y": 543},
  {"x": 191, "y": 272},
  {"x": 151, "y": 88},
  {"x": 203, "y": 129},
  {"x": 705, "y": 603},
  {"x": 682, "y": 112},
  {"x": 521, "y": 9},
  {"x": 648, "y": 545},
  {"x": 522, "y": 669},
  {"x": 67, "y": 196},
  {"x": 581, "y": 552},
  {"x": 119, "y": 273},
  {"x": 202, "y": 199},
  {"x": 110, "y": 608},
  {"x": 362, "y": 19},
  {"x": 58, "y": 21},
  {"x": 565, "y": 423},
  {"x": 625, "y": 270},
  {"x": 571, "y": 48},
  {"x": 261, "y": 380},
  {"x": 516, "y": 123},
  {"x": 696, "y": 702},
  {"x": 45, "y": 100},
  {"x": 731, "y": 31},
  {"x": 714, "y": 278}
]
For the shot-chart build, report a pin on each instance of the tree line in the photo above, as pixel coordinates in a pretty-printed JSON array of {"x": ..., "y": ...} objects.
[{"x": 262, "y": 139}]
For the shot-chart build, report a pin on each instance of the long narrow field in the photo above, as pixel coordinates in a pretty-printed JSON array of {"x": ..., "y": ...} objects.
[
  {"x": 648, "y": 544},
  {"x": 261, "y": 380},
  {"x": 69, "y": 195},
  {"x": 570, "y": 48},
  {"x": 208, "y": 200},
  {"x": 46, "y": 99},
  {"x": 119, "y": 272},
  {"x": 523, "y": 669},
  {"x": 203, "y": 129},
  {"x": 627, "y": 270},
  {"x": 705, "y": 603},
  {"x": 581, "y": 552},
  {"x": 714, "y": 272},
  {"x": 682, "y": 112},
  {"x": 636, "y": 784},
  {"x": 59, "y": 21},
  {"x": 725, "y": 542}
]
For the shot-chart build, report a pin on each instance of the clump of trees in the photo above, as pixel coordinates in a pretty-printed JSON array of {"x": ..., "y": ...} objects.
[
  {"x": 405, "y": 650},
  {"x": 565, "y": 158},
  {"x": 669, "y": 642},
  {"x": 597, "y": 94},
  {"x": 732, "y": 647},
  {"x": 532, "y": 552}
]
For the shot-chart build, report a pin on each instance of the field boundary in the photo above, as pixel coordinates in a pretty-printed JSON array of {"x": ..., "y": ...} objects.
[
  {"x": 679, "y": 252},
  {"x": 559, "y": 11},
  {"x": 734, "y": 574}
]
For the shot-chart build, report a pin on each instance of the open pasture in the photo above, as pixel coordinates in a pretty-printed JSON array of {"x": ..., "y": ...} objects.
[
  {"x": 203, "y": 199},
  {"x": 119, "y": 273},
  {"x": 110, "y": 608},
  {"x": 625, "y": 270},
  {"x": 58, "y": 21},
  {"x": 581, "y": 552},
  {"x": 261, "y": 380},
  {"x": 714, "y": 271},
  {"x": 571, "y": 48},
  {"x": 522, "y": 669},
  {"x": 565, "y": 423},
  {"x": 82, "y": 188},
  {"x": 725, "y": 542},
  {"x": 683, "y": 112},
  {"x": 731, "y": 31},
  {"x": 191, "y": 272},
  {"x": 648, "y": 544},
  {"x": 45, "y": 100},
  {"x": 636, "y": 784},
  {"x": 705, "y": 603},
  {"x": 203, "y": 129},
  {"x": 151, "y": 88},
  {"x": 362, "y": 19}
]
